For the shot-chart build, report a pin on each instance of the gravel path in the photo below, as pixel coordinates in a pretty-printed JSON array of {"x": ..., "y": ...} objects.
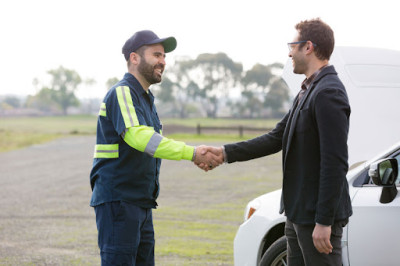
[
  {"x": 44, "y": 206},
  {"x": 45, "y": 218}
]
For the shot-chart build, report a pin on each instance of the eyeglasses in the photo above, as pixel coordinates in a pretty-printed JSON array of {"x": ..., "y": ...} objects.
[{"x": 291, "y": 45}]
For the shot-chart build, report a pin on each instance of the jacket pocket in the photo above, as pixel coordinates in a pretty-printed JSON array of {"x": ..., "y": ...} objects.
[{"x": 304, "y": 121}]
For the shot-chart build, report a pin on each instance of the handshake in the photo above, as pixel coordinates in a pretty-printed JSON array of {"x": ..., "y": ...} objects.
[{"x": 208, "y": 157}]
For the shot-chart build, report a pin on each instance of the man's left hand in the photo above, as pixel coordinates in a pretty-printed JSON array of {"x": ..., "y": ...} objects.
[{"x": 321, "y": 238}]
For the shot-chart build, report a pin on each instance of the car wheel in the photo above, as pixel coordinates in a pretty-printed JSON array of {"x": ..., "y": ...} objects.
[{"x": 276, "y": 254}]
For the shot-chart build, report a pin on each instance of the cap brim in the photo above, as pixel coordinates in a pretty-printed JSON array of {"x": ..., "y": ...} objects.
[{"x": 168, "y": 43}]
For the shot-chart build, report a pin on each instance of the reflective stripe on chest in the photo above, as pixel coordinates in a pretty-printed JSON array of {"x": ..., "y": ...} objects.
[{"x": 126, "y": 106}]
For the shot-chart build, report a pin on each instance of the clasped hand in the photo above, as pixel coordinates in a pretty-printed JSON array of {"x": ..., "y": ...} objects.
[{"x": 208, "y": 157}]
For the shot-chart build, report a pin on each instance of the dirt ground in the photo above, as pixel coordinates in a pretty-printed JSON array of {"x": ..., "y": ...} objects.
[{"x": 45, "y": 218}]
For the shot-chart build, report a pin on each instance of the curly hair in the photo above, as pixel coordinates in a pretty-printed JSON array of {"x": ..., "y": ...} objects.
[{"x": 319, "y": 33}]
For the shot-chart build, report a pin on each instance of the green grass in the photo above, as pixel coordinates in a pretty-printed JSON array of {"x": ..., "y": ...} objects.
[
  {"x": 209, "y": 138},
  {"x": 79, "y": 124},
  {"x": 12, "y": 140},
  {"x": 220, "y": 122},
  {"x": 19, "y": 132},
  {"x": 206, "y": 239}
]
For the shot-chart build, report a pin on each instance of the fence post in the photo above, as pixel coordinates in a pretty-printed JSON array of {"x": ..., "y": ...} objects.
[
  {"x": 241, "y": 131},
  {"x": 198, "y": 129}
]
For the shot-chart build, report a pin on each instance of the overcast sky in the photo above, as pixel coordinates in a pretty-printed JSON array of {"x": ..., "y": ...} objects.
[{"x": 87, "y": 35}]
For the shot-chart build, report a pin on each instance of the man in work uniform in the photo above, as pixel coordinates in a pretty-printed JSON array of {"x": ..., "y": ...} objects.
[{"x": 128, "y": 152}]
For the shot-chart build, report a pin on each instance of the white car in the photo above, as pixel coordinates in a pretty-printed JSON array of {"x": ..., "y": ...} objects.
[
  {"x": 370, "y": 238},
  {"x": 372, "y": 80}
]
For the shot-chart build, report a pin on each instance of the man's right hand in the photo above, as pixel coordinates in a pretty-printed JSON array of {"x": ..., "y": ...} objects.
[{"x": 208, "y": 157}]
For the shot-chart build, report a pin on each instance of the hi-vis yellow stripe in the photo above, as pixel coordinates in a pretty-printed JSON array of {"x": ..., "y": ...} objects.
[
  {"x": 102, "y": 111},
  {"x": 106, "y": 151},
  {"x": 126, "y": 106}
]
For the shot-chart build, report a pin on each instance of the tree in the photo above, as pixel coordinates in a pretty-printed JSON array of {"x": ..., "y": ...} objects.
[
  {"x": 64, "y": 83},
  {"x": 214, "y": 75},
  {"x": 179, "y": 99},
  {"x": 43, "y": 101},
  {"x": 12, "y": 101},
  {"x": 259, "y": 75},
  {"x": 255, "y": 85},
  {"x": 165, "y": 94},
  {"x": 111, "y": 82},
  {"x": 207, "y": 82},
  {"x": 276, "y": 97}
]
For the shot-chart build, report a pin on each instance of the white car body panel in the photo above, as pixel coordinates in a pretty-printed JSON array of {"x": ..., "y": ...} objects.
[
  {"x": 250, "y": 234},
  {"x": 372, "y": 80},
  {"x": 370, "y": 222}
]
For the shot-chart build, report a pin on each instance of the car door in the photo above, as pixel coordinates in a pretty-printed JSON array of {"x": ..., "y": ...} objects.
[{"x": 373, "y": 235}]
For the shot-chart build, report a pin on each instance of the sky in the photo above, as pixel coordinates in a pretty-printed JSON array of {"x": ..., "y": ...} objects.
[{"x": 87, "y": 35}]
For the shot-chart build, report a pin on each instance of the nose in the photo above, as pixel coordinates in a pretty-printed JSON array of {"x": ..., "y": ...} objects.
[{"x": 162, "y": 60}]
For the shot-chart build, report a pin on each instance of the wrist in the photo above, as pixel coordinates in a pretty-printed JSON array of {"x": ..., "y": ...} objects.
[
  {"x": 224, "y": 154},
  {"x": 323, "y": 225},
  {"x": 194, "y": 154}
]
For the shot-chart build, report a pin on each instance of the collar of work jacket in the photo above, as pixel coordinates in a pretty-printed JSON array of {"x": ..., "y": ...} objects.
[{"x": 137, "y": 87}]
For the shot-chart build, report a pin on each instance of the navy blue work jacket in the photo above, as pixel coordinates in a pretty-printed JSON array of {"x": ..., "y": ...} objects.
[{"x": 124, "y": 173}]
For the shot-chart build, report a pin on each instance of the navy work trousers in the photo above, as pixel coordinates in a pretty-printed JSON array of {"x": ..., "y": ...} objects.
[{"x": 125, "y": 234}]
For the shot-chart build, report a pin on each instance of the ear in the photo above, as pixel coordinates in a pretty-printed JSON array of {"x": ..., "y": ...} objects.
[
  {"x": 134, "y": 58},
  {"x": 309, "y": 47}
]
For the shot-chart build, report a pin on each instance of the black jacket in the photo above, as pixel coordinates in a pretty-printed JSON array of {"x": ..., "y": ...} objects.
[{"x": 313, "y": 140}]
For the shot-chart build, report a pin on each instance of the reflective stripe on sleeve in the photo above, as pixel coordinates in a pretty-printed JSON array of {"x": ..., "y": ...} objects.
[
  {"x": 106, "y": 151},
  {"x": 126, "y": 106},
  {"x": 153, "y": 144},
  {"x": 102, "y": 111},
  {"x": 145, "y": 139}
]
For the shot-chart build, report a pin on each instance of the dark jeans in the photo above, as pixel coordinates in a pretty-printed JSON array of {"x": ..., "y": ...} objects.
[
  {"x": 301, "y": 249},
  {"x": 125, "y": 234}
]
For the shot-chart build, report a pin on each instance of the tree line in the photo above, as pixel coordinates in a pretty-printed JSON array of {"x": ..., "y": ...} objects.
[{"x": 211, "y": 85}]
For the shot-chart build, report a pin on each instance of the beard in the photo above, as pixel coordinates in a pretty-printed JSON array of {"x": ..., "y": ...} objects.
[
  {"x": 299, "y": 64},
  {"x": 298, "y": 67},
  {"x": 148, "y": 71}
]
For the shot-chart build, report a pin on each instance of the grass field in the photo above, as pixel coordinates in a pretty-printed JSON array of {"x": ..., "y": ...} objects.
[
  {"x": 198, "y": 214},
  {"x": 19, "y": 132},
  {"x": 192, "y": 122}
]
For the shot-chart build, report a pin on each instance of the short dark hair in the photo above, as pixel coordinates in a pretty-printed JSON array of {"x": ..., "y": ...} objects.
[
  {"x": 319, "y": 33},
  {"x": 139, "y": 51}
]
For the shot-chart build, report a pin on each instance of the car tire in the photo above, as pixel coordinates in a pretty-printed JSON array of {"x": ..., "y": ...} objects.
[{"x": 276, "y": 254}]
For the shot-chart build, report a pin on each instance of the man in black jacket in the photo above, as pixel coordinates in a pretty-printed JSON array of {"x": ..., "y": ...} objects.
[{"x": 313, "y": 140}]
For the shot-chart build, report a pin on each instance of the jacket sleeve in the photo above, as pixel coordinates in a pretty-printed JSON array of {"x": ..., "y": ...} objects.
[
  {"x": 258, "y": 147},
  {"x": 332, "y": 112},
  {"x": 144, "y": 138}
]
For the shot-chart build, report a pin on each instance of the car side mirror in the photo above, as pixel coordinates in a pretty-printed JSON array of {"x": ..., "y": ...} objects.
[{"x": 384, "y": 173}]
